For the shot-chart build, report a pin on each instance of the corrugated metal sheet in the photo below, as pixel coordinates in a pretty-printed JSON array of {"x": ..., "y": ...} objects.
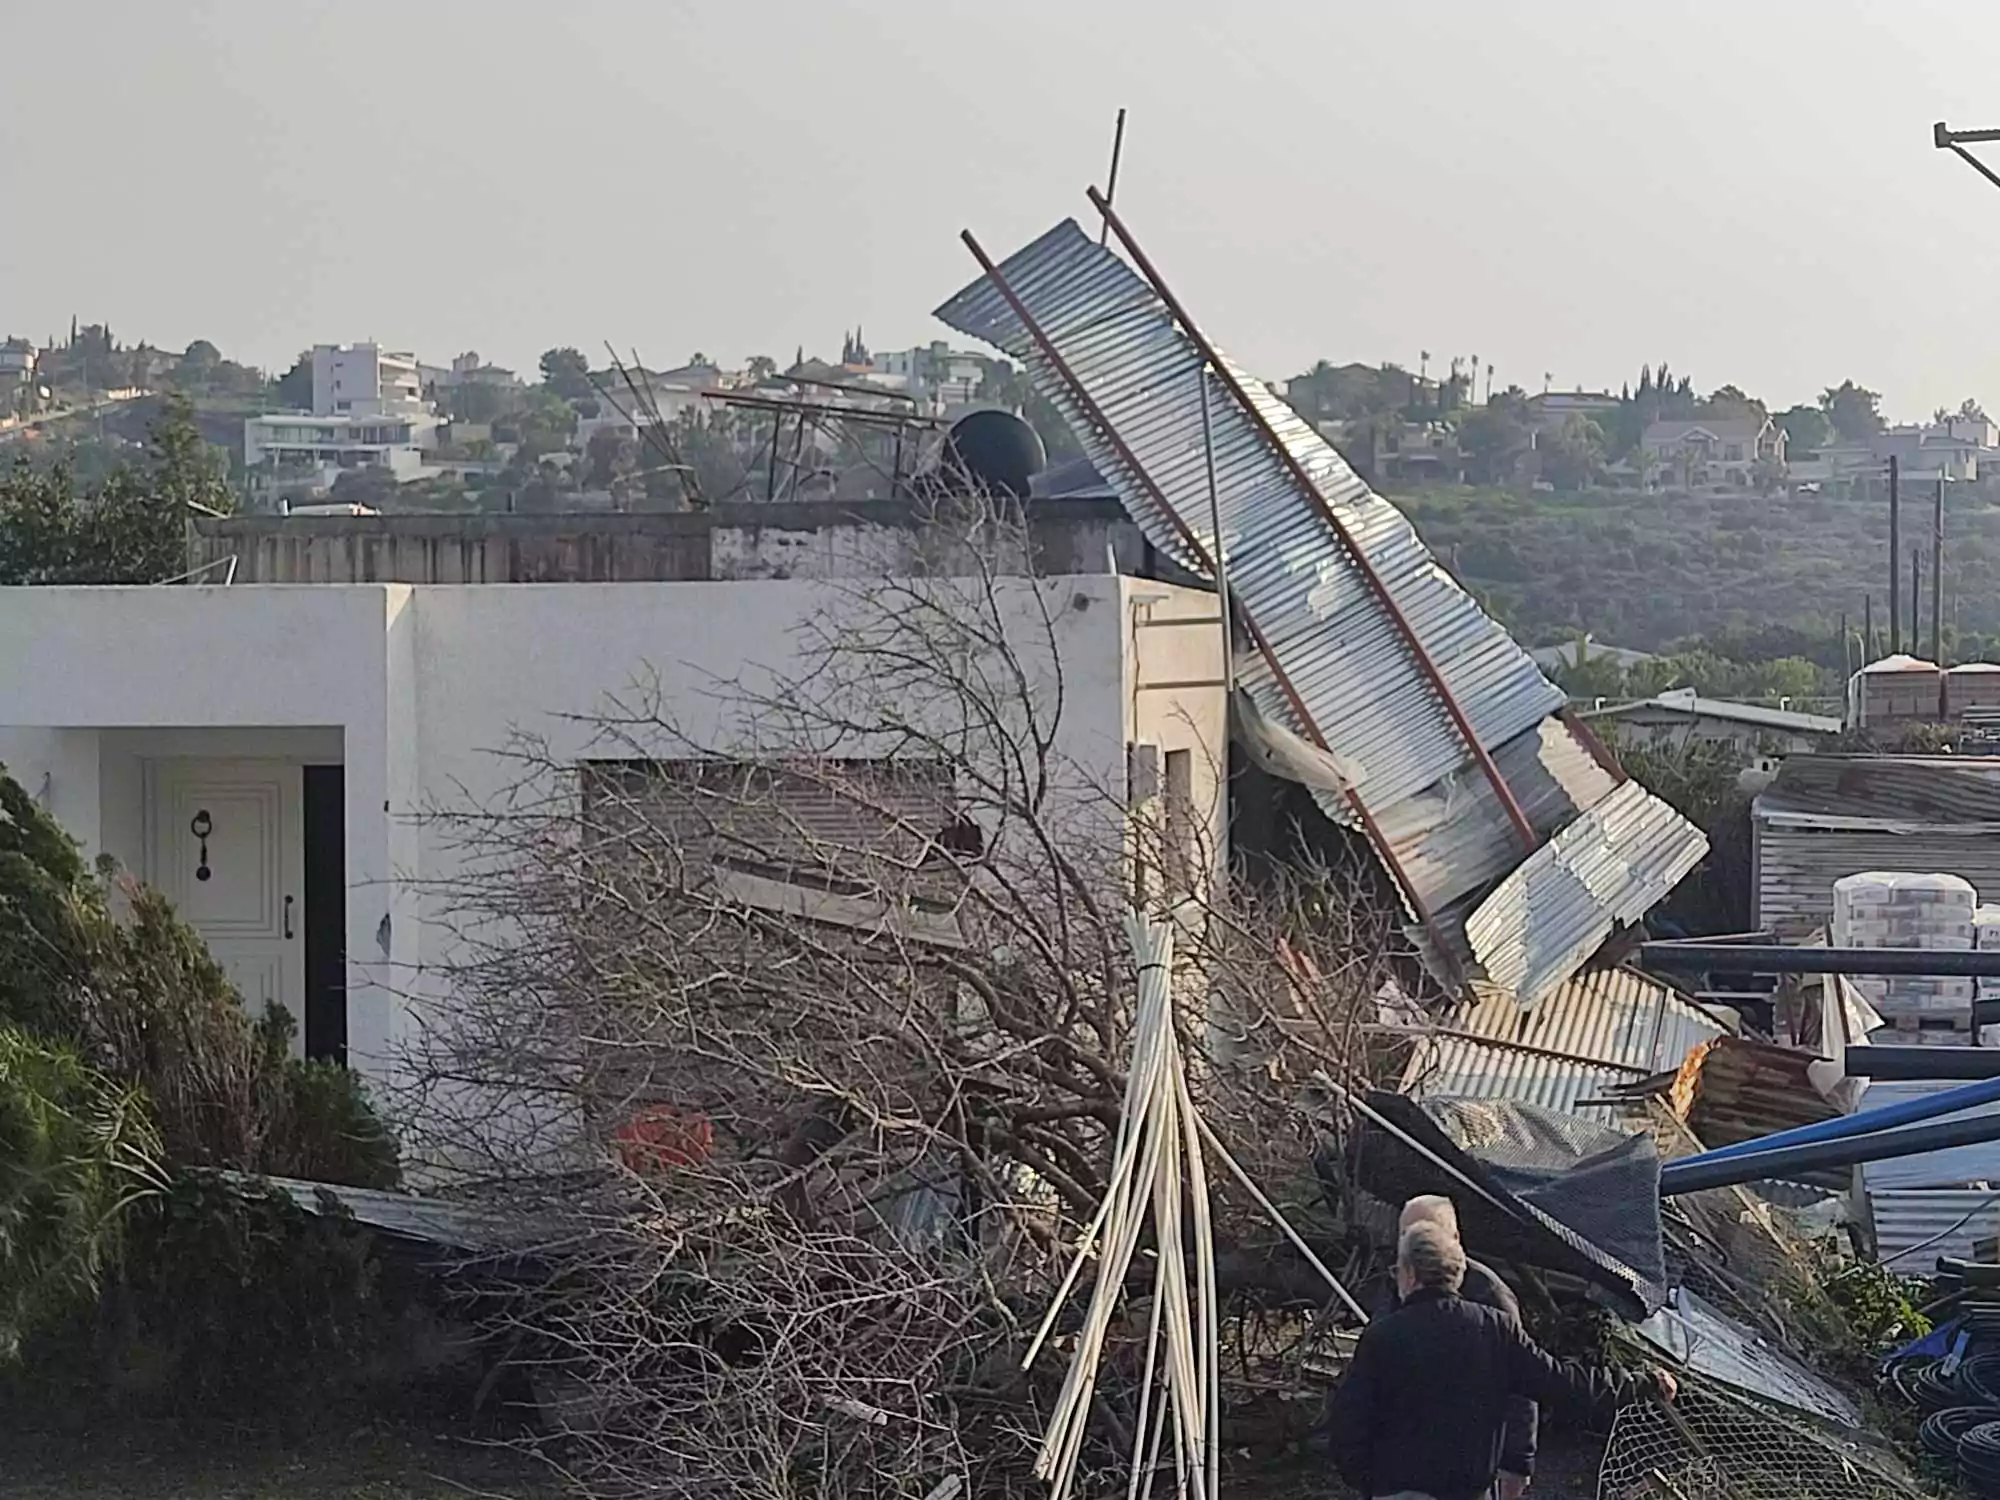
[
  {"x": 1934, "y": 1169},
  {"x": 1941, "y": 790},
  {"x": 1694, "y": 1334},
  {"x": 1603, "y": 871},
  {"x": 1796, "y": 865},
  {"x": 1912, "y": 1229},
  {"x": 1601, "y": 1029},
  {"x": 1338, "y": 644},
  {"x": 1454, "y": 838},
  {"x": 437, "y": 1221}
]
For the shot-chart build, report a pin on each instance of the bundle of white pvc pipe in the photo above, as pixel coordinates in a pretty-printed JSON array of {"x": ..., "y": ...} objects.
[{"x": 1156, "y": 1160}]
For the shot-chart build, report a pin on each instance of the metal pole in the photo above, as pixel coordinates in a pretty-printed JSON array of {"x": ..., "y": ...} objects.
[
  {"x": 1895, "y": 558},
  {"x": 1219, "y": 551},
  {"x": 1111, "y": 182},
  {"x": 1916, "y": 600},
  {"x": 1756, "y": 958},
  {"x": 1790, "y": 1161},
  {"x": 1924, "y": 1064},
  {"x": 1867, "y": 629}
]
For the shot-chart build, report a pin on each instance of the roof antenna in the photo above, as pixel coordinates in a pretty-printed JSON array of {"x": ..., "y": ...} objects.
[{"x": 1111, "y": 183}]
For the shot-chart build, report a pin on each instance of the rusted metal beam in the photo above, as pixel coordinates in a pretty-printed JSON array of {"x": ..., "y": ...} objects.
[
  {"x": 1102, "y": 423},
  {"x": 1376, "y": 583}
]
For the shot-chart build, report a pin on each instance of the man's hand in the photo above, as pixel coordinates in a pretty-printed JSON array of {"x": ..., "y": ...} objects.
[
  {"x": 1665, "y": 1386},
  {"x": 1512, "y": 1486}
]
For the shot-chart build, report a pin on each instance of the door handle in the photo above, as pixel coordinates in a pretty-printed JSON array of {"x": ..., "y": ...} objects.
[{"x": 288, "y": 916}]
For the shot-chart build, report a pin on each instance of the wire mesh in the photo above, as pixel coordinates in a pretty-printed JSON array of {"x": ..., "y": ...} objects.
[
  {"x": 1711, "y": 1447},
  {"x": 1745, "y": 1254}
]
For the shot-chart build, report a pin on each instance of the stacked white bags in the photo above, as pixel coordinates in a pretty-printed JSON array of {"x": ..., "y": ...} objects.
[{"x": 1892, "y": 909}]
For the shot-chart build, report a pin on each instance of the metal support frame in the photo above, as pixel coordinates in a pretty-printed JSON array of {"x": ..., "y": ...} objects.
[
  {"x": 1376, "y": 583},
  {"x": 1098, "y": 419},
  {"x": 1947, "y": 139},
  {"x": 1762, "y": 958},
  {"x": 1926, "y": 1065}
]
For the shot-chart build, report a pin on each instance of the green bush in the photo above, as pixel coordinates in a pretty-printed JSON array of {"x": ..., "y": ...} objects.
[
  {"x": 231, "y": 1296},
  {"x": 42, "y": 962},
  {"x": 76, "y": 1151},
  {"x": 141, "y": 1000}
]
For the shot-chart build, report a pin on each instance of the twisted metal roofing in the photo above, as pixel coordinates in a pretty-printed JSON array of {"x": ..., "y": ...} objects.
[{"x": 1441, "y": 827}]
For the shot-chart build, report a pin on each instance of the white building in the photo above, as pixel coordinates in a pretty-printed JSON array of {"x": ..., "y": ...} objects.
[
  {"x": 17, "y": 361},
  {"x": 932, "y": 372},
  {"x": 297, "y": 451},
  {"x": 262, "y": 752},
  {"x": 369, "y": 412},
  {"x": 366, "y": 380}
]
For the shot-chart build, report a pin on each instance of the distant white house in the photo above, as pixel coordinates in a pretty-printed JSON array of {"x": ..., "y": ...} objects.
[
  {"x": 1683, "y": 717},
  {"x": 369, "y": 412},
  {"x": 1711, "y": 452},
  {"x": 932, "y": 372}
]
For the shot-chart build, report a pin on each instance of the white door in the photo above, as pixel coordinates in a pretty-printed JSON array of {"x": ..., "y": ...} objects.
[{"x": 228, "y": 849}]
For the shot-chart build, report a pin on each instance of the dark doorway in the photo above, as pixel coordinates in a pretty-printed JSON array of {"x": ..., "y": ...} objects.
[{"x": 326, "y": 913}]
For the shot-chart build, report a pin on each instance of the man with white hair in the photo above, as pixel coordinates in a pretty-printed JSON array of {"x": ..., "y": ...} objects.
[
  {"x": 1423, "y": 1408},
  {"x": 1484, "y": 1286}
]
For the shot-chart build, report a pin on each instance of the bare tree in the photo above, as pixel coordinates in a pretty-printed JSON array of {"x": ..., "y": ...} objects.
[{"x": 806, "y": 1039}]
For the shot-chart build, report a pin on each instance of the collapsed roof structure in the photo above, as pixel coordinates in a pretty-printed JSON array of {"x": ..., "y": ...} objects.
[{"x": 1516, "y": 842}]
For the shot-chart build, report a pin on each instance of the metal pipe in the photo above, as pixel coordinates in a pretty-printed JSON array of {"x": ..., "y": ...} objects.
[
  {"x": 1904, "y": 1112},
  {"x": 1111, "y": 183},
  {"x": 1374, "y": 580},
  {"x": 1095, "y": 414},
  {"x": 1914, "y": 1064},
  {"x": 1759, "y": 958},
  {"x": 1792, "y": 1161}
]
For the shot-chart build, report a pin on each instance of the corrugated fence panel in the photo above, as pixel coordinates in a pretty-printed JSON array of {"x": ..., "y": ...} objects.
[
  {"x": 1798, "y": 864},
  {"x": 1912, "y": 1229}
]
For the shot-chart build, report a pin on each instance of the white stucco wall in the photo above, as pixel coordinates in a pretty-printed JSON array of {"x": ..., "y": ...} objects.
[{"x": 415, "y": 689}]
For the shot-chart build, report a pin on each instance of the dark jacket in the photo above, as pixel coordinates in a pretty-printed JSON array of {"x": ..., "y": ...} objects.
[
  {"x": 1424, "y": 1403},
  {"x": 1517, "y": 1447}
]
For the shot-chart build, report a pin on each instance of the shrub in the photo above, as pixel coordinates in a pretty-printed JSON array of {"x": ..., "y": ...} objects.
[
  {"x": 231, "y": 1296},
  {"x": 75, "y": 1152},
  {"x": 141, "y": 1000},
  {"x": 41, "y": 874}
]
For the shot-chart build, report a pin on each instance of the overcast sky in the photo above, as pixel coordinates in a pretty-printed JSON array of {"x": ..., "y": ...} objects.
[{"x": 1745, "y": 188}]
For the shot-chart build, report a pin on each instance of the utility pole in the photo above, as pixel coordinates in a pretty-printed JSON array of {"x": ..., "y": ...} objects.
[
  {"x": 1867, "y": 629},
  {"x": 1916, "y": 603},
  {"x": 1895, "y": 559},
  {"x": 1937, "y": 571}
]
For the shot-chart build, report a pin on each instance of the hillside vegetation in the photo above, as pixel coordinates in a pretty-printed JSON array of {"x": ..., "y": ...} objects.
[{"x": 1641, "y": 570}]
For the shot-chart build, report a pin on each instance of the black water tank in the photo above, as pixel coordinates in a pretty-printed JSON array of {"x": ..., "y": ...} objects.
[{"x": 995, "y": 451}]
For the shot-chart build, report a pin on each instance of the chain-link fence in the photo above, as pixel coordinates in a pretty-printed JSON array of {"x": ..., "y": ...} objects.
[{"x": 1710, "y": 1446}]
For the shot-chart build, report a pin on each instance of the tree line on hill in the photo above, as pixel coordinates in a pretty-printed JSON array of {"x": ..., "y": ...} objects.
[{"x": 1368, "y": 403}]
